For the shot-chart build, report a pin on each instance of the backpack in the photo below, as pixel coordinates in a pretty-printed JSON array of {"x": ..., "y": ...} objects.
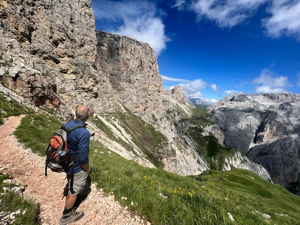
[{"x": 58, "y": 157}]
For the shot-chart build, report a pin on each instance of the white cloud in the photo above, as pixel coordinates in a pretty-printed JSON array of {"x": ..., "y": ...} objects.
[
  {"x": 179, "y": 4},
  {"x": 285, "y": 18},
  {"x": 191, "y": 90},
  {"x": 267, "y": 78},
  {"x": 226, "y": 13},
  {"x": 196, "y": 94},
  {"x": 204, "y": 100},
  {"x": 136, "y": 19},
  {"x": 211, "y": 101},
  {"x": 271, "y": 83},
  {"x": 268, "y": 89},
  {"x": 175, "y": 79},
  {"x": 233, "y": 92},
  {"x": 214, "y": 87}
]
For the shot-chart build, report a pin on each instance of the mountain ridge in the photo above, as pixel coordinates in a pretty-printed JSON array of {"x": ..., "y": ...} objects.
[{"x": 265, "y": 127}]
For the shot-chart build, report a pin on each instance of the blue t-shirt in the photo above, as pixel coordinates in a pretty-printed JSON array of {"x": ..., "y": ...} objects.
[{"x": 78, "y": 142}]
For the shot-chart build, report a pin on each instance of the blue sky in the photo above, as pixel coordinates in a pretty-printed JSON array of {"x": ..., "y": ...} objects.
[{"x": 213, "y": 48}]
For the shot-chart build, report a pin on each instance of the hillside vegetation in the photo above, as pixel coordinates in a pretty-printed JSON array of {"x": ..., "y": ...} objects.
[
  {"x": 10, "y": 202},
  {"x": 10, "y": 107},
  {"x": 167, "y": 198},
  {"x": 206, "y": 146},
  {"x": 143, "y": 135}
]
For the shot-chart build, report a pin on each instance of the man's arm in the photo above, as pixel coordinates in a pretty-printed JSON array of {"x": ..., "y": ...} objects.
[
  {"x": 86, "y": 167},
  {"x": 83, "y": 148}
]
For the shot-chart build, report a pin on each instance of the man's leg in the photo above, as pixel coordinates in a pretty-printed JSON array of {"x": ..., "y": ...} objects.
[
  {"x": 82, "y": 196},
  {"x": 69, "y": 214},
  {"x": 70, "y": 201}
]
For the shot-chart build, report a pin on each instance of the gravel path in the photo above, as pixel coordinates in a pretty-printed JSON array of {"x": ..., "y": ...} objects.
[{"x": 28, "y": 169}]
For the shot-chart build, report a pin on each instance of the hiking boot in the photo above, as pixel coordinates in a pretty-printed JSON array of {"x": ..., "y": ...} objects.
[{"x": 71, "y": 217}]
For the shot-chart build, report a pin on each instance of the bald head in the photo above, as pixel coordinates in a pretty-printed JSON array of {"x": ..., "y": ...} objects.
[{"x": 82, "y": 113}]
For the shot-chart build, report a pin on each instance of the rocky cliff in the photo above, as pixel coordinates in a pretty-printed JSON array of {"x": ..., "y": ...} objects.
[
  {"x": 266, "y": 128},
  {"x": 48, "y": 50}
]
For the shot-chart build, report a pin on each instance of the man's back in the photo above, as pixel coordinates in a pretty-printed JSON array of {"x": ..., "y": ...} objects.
[{"x": 78, "y": 144}]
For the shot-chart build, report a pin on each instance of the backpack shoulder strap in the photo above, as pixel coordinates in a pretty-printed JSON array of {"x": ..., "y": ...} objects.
[{"x": 72, "y": 128}]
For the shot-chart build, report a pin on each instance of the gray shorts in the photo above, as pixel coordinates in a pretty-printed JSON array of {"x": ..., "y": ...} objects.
[{"x": 80, "y": 179}]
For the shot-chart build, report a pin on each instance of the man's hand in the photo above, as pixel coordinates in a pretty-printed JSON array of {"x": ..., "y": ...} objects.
[{"x": 86, "y": 168}]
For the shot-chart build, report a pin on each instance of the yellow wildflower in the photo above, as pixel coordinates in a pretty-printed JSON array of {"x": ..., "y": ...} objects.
[{"x": 145, "y": 177}]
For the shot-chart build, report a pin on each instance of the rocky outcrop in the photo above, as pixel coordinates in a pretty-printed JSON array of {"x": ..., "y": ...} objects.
[
  {"x": 265, "y": 127},
  {"x": 49, "y": 50},
  {"x": 10, "y": 186},
  {"x": 132, "y": 70},
  {"x": 242, "y": 162}
]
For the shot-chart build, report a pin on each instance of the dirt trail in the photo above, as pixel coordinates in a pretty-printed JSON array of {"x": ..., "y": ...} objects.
[{"x": 28, "y": 169}]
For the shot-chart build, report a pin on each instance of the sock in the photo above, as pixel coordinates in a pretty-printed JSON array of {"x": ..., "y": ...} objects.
[{"x": 66, "y": 211}]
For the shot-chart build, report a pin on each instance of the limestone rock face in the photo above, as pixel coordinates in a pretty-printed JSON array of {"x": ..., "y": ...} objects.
[
  {"x": 177, "y": 94},
  {"x": 265, "y": 127},
  {"x": 49, "y": 38},
  {"x": 280, "y": 157},
  {"x": 242, "y": 162},
  {"x": 132, "y": 70}
]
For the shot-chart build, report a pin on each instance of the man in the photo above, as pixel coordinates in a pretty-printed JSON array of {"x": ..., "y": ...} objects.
[{"x": 78, "y": 145}]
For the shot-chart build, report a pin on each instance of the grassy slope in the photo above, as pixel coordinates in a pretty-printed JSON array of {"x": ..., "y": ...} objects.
[
  {"x": 36, "y": 130},
  {"x": 207, "y": 146},
  {"x": 10, "y": 108},
  {"x": 200, "y": 116},
  {"x": 10, "y": 202},
  {"x": 190, "y": 200},
  {"x": 143, "y": 135}
]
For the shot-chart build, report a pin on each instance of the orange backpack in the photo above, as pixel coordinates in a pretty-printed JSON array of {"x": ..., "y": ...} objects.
[{"x": 58, "y": 157}]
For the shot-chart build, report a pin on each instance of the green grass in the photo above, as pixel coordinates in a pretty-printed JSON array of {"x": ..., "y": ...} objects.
[
  {"x": 206, "y": 146},
  {"x": 10, "y": 202},
  {"x": 209, "y": 147},
  {"x": 101, "y": 125},
  {"x": 189, "y": 200},
  {"x": 35, "y": 131},
  {"x": 192, "y": 200},
  {"x": 201, "y": 117},
  {"x": 149, "y": 136},
  {"x": 51, "y": 111},
  {"x": 142, "y": 134},
  {"x": 11, "y": 108}
]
